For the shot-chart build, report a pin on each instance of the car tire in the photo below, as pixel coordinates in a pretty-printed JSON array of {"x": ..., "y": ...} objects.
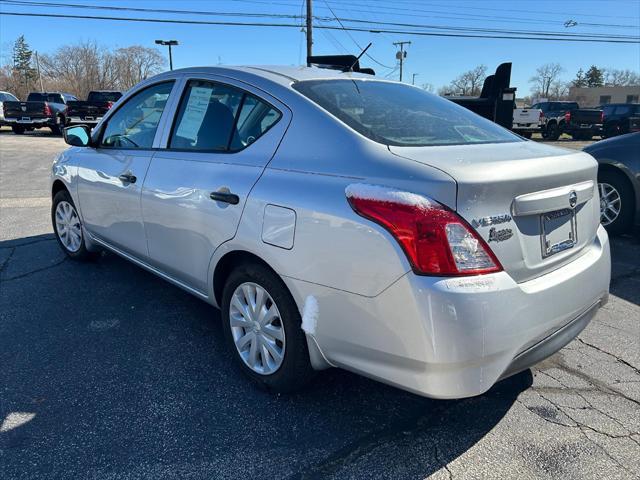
[
  {"x": 611, "y": 130},
  {"x": 553, "y": 132},
  {"x": 17, "y": 129},
  {"x": 59, "y": 125},
  {"x": 293, "y": 370},
  {"x": 622, "y": 221},
  {"x": 584, "y": 136},
  {"x": 526, "y": 135},
  {"x": 71, "y": 237}
]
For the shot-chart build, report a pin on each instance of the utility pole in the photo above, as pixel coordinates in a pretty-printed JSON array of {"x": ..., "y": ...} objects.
[
  {"x": 413, "y": 78},
  {"x": 309, "y": 31},
  {"x": 168, "y": 43},
  {"x": 402, "y": 54},
  {"x": 39, "y": 76}
]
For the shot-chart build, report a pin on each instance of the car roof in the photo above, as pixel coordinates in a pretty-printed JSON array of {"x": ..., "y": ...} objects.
[{"x": 284, "y": 75}]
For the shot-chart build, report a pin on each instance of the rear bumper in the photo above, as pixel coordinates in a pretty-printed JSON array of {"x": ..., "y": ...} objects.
[
  {"x": 38, "y": 122},
  {"x": 80, "y": 120},
  {"x": 456, "y": 337}
]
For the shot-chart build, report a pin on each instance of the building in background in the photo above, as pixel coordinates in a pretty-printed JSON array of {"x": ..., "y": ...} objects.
[{"x": 595, "y": 96}]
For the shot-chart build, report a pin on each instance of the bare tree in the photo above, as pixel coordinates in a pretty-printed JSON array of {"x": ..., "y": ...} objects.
[
  {"x": 621, "y": 78},
  {"x": 546, "y": 76},
  {"x": 137, "y": 63},
  {"x": 80, "y": 68},
  {"x": 469, "y": 83},
  {"x": 427, "y": 87},
  {"x": 559, "y": 90}
]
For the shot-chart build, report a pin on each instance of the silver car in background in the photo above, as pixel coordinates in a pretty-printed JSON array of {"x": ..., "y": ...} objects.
[{"x": 341, "y": 220}]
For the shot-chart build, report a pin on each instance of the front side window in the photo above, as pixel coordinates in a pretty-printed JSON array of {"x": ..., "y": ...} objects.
[
  {"x": 134, "y": 124},
  {"x": 397, "y": 114},
  {"x": 623, "y": 110},
  {"x": 216, "y": 117}
]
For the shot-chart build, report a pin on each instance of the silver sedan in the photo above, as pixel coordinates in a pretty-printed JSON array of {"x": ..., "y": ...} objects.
[{"x": 338, "y": 220}]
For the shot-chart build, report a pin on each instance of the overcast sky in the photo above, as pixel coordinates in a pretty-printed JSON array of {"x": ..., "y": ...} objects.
[{"x": 436, "y": 60}]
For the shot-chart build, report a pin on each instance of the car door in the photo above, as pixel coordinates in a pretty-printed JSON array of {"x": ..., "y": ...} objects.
[
  {"x": 110, "y": 176},
  {"x": 223, "y": 134}
]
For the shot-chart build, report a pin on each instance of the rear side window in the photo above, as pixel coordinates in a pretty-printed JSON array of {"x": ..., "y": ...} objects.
[
  {"x": 217, "y": 117},
  {"x": 396, "y": 114},
  {"x": 607, "y": 110},
  {"x": 104, "y": 96}
]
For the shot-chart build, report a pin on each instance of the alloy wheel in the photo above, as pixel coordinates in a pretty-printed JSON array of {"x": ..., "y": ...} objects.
[
  {"x": 610, "y": 203},
  {"x": 68, "y": 226},
  {"x": 257, "y": 329}
]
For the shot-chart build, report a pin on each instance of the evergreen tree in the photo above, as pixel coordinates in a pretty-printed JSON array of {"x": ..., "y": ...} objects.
[
  {"x": 22, "y": 56},
  {"x": 594, "y": 77},
  {"x": 580, "y": 80}
]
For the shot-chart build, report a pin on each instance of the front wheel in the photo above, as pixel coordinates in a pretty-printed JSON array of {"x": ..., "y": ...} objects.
[
  {"x": 616, "y": 202},
  {"x": 68, "y": 227},
  {"x": 262, "y": 326}
]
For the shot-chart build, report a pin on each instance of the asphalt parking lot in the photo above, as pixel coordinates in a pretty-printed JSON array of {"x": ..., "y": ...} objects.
[{"x": 108, "y": 372}]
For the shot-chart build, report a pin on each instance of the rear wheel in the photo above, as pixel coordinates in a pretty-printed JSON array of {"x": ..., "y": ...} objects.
[
  {"x": 17, "y": 129},
  {"x": 582, "y": 136},
  {"x": 262, "y": 326},
  {"x": 611, "y": 130},
  {"x": 525, "y": 134},
  {"x": 616, "y": 202},
  {"x": 553, "y": 132},
  {"x": 68, "y": 227},
  {"x": 59, "y": 125}
]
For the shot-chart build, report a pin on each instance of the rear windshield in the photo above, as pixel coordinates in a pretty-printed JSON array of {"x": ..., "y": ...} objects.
[
  {"x": 45, "y": 97},
  {"x": 401, "y": 115},
  {"x": 104, "y": 96}
]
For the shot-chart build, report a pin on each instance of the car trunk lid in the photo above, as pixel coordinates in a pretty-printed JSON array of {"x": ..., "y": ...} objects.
[{"x": 535, "y": 205}]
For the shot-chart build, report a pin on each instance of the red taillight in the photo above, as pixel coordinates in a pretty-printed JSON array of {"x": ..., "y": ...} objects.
[
  {"x": 436, "y": 240},
  {"x": 567, "y": 117},
  {"x": 541, "y": 115},
  {"x": 109, "y": 105},
  {"x": 47, "y": 110}
]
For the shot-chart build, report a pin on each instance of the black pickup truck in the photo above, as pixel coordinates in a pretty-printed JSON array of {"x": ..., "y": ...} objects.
[
  {"x": 620, "y": 118},
  {"x": 42, "y": 109},
  {"x": 91, "y": 111},
  {"x": 583, "y": 123}
]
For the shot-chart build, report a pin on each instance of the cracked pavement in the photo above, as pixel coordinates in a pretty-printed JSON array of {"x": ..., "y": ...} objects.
[{"x": 108, "y": 372}]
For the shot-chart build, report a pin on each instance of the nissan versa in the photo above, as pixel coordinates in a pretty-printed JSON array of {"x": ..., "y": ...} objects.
[{"x": 340, "y": 220}]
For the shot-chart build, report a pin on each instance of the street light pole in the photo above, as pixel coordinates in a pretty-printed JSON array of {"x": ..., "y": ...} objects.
[
  {"x": 402, "y": 54},
  {"x": 168, "y": 43},
  {"x": 413, "y": 78}
]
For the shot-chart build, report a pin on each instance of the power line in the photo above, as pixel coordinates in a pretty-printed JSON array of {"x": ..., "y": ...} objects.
[
  {"x": 328, "y": 27},
  {"x": 354, "y": 40},
  {"x": 325, "y": 19},
  {"x": 389, "y": 10}
]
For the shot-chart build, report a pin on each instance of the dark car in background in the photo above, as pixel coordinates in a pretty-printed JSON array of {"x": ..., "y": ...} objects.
[
  {"x": 90, "y": 111},
  {"x": 618, "y": 181},
  {"x": 620, "y": 118},
  {"x": 42, "y": 109}
]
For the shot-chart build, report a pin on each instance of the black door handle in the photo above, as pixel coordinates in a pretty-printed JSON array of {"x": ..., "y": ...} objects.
[
  {"x": 225, "y": 197},
  {"x": 127, "y": 178}
]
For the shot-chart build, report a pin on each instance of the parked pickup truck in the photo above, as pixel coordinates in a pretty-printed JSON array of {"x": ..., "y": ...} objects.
[
  {"x": 42, "y": 109},
  {"x": 527, "y": 121},
  {"x": 620, "y": 118},
  {"x": 583, "y": 123},
  {"x": 91, "y": 111},
  {"x": 5, "y": 97}
]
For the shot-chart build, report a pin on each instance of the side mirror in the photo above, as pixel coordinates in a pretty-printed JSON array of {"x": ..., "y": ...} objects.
[{"x": 77, "y": 136}]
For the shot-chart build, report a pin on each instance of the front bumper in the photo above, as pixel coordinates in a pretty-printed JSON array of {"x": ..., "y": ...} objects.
[{"x": 456, "y": 337}]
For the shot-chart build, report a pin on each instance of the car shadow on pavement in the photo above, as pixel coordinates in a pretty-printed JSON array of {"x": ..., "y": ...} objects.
[
  {"x": 109, "y": 372},
  {"x": 625, "y": 267}
]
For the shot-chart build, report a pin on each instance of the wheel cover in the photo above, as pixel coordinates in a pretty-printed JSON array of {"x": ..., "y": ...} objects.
[
  {"x": 610, "y": 204},
  {"x": 257, "y": 329},
  {"x": 68, "y": 226}
]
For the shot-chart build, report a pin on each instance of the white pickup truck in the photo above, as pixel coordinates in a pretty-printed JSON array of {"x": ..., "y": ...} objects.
[{"x": 526, "y": 121}]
